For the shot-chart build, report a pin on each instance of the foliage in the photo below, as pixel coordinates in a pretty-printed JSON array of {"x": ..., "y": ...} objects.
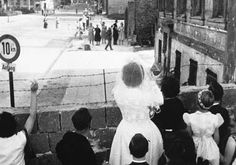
[
  {"x": 24, "y": 10},
  {"x": 145, "y": 22}
]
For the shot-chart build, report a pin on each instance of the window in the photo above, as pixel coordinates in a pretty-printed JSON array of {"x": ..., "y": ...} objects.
[
  {"x": 196, "y": 7},
  {"x": 218, "y": 9},
  {"x": 165, "y": 42},
  {"x": 177, "y": 64},
  {"x": 159, "y": 51},
  {"x": 211, "y": 76},
  {"x": 181, "y": 7},
  {"x": 161, "y": 5},
  {"x": 192, "y": 72},
  {"x": 169, "y": 6}
]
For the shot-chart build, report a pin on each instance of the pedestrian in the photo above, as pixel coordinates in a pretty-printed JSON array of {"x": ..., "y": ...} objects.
[
  {"x": 57, "y": 22},
  {"x": 115, "y": 33},
  {"x": 224, "y": 130},
  {"x": 135, "y": 93},
  {"x": 74, "y": 148},
  {"x": 45, "y": 23},
  {"x": 76, "y": 11},
  {"x": 103, "y": 34},
  {"x": 109, "y": 38},
  {"x": 97, "y": 35},
  {"x": 204, "y": 128},
  {"x": 121, "y": 34},
  {"x": 13, "y": 142},
  {"x": 91, "y": 33}
]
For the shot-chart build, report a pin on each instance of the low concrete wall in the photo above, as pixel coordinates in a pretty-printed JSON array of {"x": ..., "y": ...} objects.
[{"x": 52, "y": 123}]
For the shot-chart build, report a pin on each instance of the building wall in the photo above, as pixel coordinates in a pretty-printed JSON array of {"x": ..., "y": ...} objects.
[
  {"x": 117, "y": 6},
  {"x": 201, "y": 38},
  {"x": 52, "y": 123}
]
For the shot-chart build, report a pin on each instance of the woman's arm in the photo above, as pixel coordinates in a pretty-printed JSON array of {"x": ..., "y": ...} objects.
[
  {"x": 216, "y": 136},
  {"x": 229, "y": 151},
  {"x": 33, "y": 108}
]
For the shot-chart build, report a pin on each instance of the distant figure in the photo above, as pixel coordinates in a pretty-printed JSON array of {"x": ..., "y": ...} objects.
[
  {"x": 91, "y": 33},
  {"x": 97, "y": 35},
  {"x": 57, "y": 22},
  {"x": 45, "y": 23},
  {"x": 121, "y": 34},
  {"x": 75, "y": 148},
  {"x": 115, "y": 33},
  {"x": 138, "y": 147},
  {"x": 103, "y": 35},
  {"x": 109, "y": 38},
  {"x": 76, "y": 11}
]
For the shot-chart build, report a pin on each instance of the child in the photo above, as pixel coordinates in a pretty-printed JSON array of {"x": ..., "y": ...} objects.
[
  {"x": 203, "y": 125},
  {"x": 224, "y": 131},
  {"x": 74, "y": 148},
  {"x": 12, "y": 143},
  {"x": 138, "y": 147}
]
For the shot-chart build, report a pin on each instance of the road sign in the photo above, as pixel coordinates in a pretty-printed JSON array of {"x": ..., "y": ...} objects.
[
  {"x": 9, "y": 48},
  {"x": 9, "y": 67}
]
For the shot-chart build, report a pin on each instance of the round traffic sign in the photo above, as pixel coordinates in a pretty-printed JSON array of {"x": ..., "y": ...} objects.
[{"x": 9, "y": 48}]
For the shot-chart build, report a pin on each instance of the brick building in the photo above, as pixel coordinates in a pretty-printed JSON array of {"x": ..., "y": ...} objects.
[{"x": 191, "y": 37}]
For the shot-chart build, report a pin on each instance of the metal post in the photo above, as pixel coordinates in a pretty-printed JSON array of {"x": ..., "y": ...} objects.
[
  {"x": 105, "y": 88},
  {"x": 11, "y": 85}
]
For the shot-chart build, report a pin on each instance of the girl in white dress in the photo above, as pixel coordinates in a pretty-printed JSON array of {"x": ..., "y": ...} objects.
[
  {"x": 134, "y": 94},
  {"x": 204, "y": 128}
]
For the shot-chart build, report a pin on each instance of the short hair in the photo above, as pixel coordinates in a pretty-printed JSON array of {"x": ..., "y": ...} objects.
[
  {"x": 138, "y": 146},
  {"x": 81, "y": 119},
  {"x": 216, "y": 89},
  {"x": 132, "y": 74},
  {"x": 181, "y": 149},
  {"x": 205, "y": 99},
  {"x": 170, "y": 86},
  {"x": 8, "y": 125}
]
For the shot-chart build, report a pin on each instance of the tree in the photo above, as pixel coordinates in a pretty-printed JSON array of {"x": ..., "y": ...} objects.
[{"x": 145, "y": 21}]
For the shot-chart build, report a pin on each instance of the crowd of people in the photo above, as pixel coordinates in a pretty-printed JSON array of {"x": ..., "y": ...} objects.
[{"x": 155, "y": 127}]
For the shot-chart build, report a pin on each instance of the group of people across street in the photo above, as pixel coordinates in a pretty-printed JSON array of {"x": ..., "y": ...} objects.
[{"x": 155, "y": 128}]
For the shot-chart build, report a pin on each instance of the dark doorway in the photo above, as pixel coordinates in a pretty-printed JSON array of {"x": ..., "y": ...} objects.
[
  {"x": 177, "y": 64},
  {"x": 159, "y": 51},
  {"x": 192, "y": 72},
  {"x": 211, "y": 76}
]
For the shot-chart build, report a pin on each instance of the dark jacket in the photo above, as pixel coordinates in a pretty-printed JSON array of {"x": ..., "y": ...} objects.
[{"x": 75, "y": 149}]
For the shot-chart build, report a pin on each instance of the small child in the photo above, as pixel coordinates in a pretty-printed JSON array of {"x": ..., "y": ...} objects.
[
  {"x": 138, "y": 147},
  {"x": 203, "y": 125}
]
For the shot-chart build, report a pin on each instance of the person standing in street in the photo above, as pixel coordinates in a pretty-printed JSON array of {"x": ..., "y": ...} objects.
[
  {"x": 115, "y": 33},
  {"x": 97, "y": 35},
  {"x": 57, "y": 22},
  {"x": 91, "y": 33},
  {"x": 121, "y": 34},
  {"x": 109, "y": 37}
]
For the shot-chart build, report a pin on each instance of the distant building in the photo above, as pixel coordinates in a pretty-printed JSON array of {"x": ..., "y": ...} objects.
[
  {"x": 190, "y": 40},
  {"x": 116, "y": 6}
]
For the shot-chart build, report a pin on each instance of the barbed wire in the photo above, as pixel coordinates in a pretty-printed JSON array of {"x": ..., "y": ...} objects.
[
  {"x": 62, "y": 87},
  {"x": 63, "y": 76}
]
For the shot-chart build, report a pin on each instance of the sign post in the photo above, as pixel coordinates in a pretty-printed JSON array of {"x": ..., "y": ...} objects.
[{"x": 9, "y": 52}]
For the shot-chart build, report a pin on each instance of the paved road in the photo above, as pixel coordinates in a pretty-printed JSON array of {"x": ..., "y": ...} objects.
[{"x": 55, "y": 58}]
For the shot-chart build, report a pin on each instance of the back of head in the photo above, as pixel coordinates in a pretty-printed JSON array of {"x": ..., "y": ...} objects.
[
  {"x": 138, "y": 146},
  {"x": 170, "y": 86},
  {"x": 217, "y": 90},
  {"x": 181, "y": 151},
  {"x": 132, "y": 74},
  {"x": 8, "y": 125},
  {"x": 205, "y": 99},
  {"x": 81, "y": 119}
]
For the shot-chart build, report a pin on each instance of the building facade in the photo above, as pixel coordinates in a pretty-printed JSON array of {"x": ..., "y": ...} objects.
[
  {"x": 191, "y": 38},
  {"x": 116, "y": 6}
]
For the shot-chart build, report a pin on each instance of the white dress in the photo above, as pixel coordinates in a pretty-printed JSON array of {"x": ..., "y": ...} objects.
[
  {"x": 133, "y": 103},
  {"x": 203, "y": 126}
]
